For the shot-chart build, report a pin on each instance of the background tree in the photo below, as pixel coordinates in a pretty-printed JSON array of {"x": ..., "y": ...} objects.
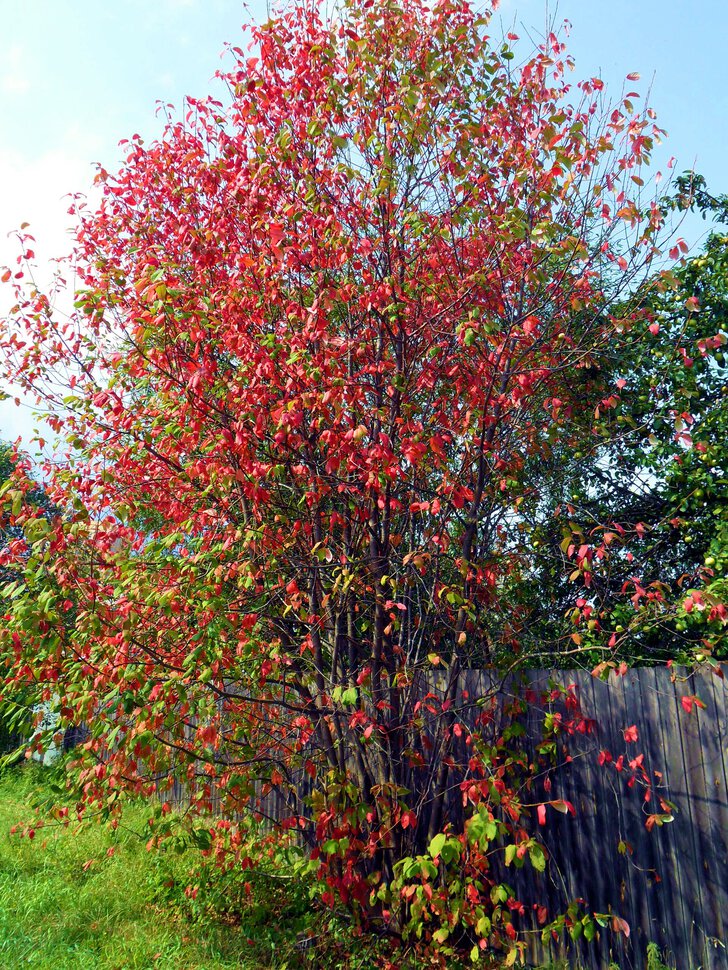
[
  {"x": 656, "y": 464},
  {"x": 16, "y": 704},
  {"x": 325, "y": 334}
]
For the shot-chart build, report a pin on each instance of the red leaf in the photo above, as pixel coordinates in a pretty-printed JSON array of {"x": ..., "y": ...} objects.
[{"x": 690, "y": 701}]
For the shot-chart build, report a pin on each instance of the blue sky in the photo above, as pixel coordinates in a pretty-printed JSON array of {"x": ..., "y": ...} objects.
[
  {"x": 678, "y": 48},
  {"x": 76, "y": 76}
]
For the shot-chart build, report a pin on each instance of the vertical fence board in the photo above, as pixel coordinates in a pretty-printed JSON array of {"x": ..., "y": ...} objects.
[
  {"x": 603, "y": 838},
  {"x": 720, "y": 693},
  {"x": 666, "y": 884},
  {"x": 696, "y": 801},
  {"x": 711, "y": 727},
  {"x": 622, "y": 897}
]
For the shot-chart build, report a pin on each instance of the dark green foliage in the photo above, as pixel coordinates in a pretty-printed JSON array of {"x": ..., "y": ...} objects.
[
  {"x": 15, "y": 706},
  {"x": 660, "y": 474}
]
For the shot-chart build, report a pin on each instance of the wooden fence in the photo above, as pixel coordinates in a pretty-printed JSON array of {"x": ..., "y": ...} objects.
[{"x": 670, "y": 883}]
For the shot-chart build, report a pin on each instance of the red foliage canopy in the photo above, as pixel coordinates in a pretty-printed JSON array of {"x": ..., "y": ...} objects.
[{"x": 321, "y": 328}]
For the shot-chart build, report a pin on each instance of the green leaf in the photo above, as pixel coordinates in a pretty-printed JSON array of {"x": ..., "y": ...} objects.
[
  {"x": 37, "y": 529},
  {"x": 202, "y": 839},
  {"x": 500, "y": 893},
  {"x": 410, "y": 867},
  {"x": 450, "y": 851},
  {"x": 349, "y": 697},
  {"x": 537, "y": 857},
  {"x": 436, "y": 845},
  {"x": 483, "y": 926},
  {"x": 475, "y": 828}
]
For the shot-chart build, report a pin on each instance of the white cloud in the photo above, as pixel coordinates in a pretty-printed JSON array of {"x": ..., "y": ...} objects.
[
  {"x": 14, "y": 84},
  {"x": 16, "y": 71},
  {"x": 20, "y": 422},
  {"x": 36, "y": 191}
]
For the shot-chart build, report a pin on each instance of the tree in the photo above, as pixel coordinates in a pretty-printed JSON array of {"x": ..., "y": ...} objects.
[
  {"x": 657, "y": 464},
  {"x": 16, "y": 705},
  {"x": 324, "y": 336}
]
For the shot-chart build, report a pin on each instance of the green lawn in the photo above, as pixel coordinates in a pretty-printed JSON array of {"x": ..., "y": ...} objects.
[
  {"x": 66, "y": 904},
  {"x": 57, "y": 913}
]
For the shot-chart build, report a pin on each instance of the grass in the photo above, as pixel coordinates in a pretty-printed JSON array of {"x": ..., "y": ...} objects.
[
  {"x": 96, "y": 899},
  {"x": 58, "y": 912},
  {"x": 66, "y": 904}
]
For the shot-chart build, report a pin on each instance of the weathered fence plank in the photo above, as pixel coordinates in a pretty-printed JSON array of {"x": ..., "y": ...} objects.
[
  {"x": 713, "y": 741},
  {"x": 664, "y": 855}
]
